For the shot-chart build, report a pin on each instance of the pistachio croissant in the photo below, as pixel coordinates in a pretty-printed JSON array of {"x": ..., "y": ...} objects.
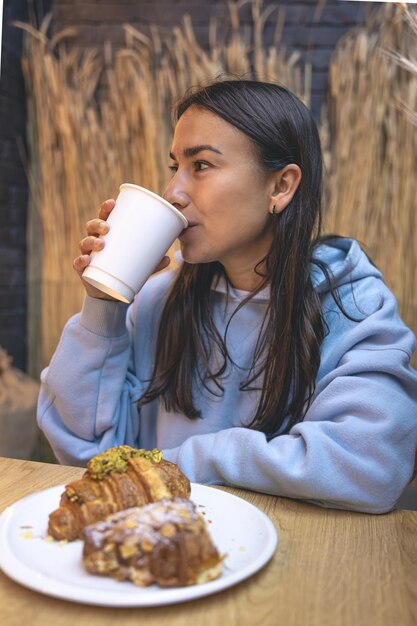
[
  {"x": 115, "y": 480},
  {"x": 165, "y": 542}
]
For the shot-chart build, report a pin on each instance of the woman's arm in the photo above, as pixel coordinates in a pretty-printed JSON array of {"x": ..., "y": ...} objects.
[
  {"x": 88, "y": 394},
  {"x": 355, "y": 448}
]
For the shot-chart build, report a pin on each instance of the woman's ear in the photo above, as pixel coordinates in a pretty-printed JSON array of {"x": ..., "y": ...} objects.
[{"x": 285, "y": 184}]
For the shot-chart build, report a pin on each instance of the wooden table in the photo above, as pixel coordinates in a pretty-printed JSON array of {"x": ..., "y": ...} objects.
[{"x": 331, "y": 568}]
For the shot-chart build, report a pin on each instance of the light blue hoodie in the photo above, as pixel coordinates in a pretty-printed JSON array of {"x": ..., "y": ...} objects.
[{"x": 355, "y": 448}]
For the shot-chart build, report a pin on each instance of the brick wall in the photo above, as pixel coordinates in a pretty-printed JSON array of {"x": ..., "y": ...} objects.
[
  {"x": 13, "y": 190},
  {"x": 98, "y": 21},
  {"x": 13, "y": 182}
]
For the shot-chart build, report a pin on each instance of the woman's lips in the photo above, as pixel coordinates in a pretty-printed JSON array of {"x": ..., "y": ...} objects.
[{"x": 188, "y": 229}]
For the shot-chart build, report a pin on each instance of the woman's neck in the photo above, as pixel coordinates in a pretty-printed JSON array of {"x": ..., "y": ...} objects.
[
  {"x": 245, "y": 278},
  {"x": 246, "y": 269}
]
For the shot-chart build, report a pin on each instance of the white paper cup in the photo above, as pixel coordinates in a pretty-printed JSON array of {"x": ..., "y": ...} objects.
[{"x": 143, "y": 226}]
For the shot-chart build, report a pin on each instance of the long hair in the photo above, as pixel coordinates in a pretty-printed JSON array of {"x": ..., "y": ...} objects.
[{"x": 287, "y": 355}]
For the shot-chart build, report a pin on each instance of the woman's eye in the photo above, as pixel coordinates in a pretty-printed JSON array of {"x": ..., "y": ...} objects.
[{"x": 199, "y": 166}]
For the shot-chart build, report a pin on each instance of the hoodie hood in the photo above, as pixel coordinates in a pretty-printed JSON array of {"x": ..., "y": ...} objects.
[{"x": 346, "y": 262}]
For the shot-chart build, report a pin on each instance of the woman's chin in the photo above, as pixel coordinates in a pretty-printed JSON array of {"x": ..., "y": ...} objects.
[
  {"x": 194, "y": 256},
  {"x": 191, "y": 259}
]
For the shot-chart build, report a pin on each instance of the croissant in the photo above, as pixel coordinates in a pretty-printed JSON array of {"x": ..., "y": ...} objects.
[
  {"x": 164, "y": 542},
  {"x": 115, "y": 480}
]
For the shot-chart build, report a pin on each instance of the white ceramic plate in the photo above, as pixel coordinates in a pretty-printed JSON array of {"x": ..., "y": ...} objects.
[{"x": 237, "y": 528}]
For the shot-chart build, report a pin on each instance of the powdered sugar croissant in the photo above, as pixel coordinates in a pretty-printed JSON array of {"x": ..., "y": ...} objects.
[
  {"x": 164, "y": 542},
  {"x": 115, "y": 480}
]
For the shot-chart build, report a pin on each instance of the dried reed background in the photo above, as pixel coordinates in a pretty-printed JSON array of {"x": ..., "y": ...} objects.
[
  {"x": 372, "y": 148},
  {"x": 81, "y": 150}
]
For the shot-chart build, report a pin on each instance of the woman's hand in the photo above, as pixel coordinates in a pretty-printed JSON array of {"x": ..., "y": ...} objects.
[{"x": 94, "y": 228}]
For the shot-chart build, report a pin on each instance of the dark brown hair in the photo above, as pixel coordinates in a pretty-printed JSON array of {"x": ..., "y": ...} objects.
[{"x": 287, "y": 355}]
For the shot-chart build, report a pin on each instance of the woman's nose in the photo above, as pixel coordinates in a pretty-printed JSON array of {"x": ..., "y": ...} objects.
[{"x": 175, "y": 194}]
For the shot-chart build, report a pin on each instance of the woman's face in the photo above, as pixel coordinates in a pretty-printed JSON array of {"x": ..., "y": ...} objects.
[{"x": 220, "y": 187}]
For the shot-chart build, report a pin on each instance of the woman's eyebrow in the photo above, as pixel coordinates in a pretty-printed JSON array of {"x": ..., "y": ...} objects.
[{"x": 190, "y": 152}]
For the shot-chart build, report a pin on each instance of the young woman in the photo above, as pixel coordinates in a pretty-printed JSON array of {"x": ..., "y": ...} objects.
[{"x": 272, "y": 359}]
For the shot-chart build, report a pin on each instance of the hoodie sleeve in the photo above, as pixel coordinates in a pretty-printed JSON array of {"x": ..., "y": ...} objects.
[
  {"x": 103, "y": 411},
  {"x": 355, "y": 448}
]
